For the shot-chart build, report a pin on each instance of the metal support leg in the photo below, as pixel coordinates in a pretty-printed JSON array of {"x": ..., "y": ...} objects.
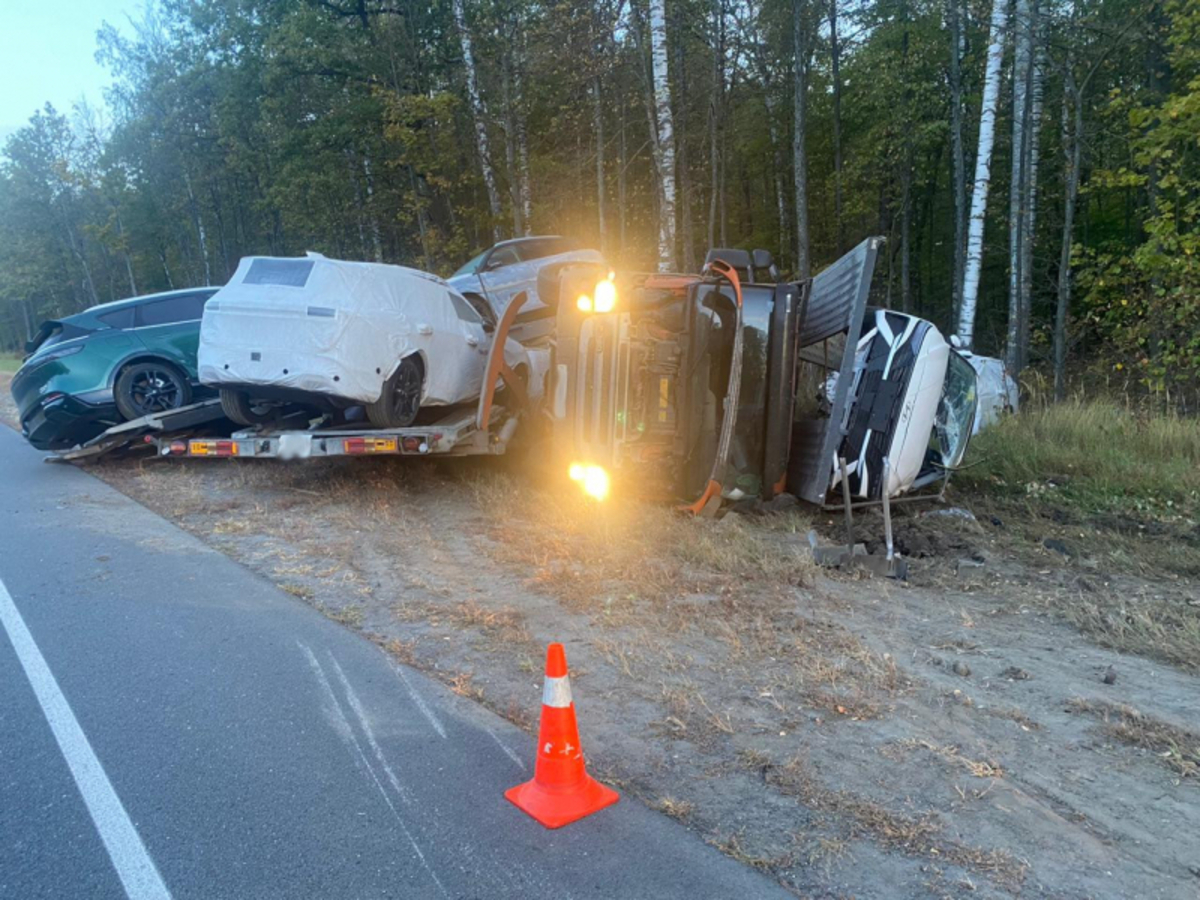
[
  {"x": 887, "y": 509},
  {"x": 849, "y": 511}
]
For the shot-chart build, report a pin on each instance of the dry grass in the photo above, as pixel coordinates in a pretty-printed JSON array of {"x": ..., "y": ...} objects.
[
  {"x": 1157, "y": 627},
  {"x": 676, "y": 809},
  {"x": 951, "y": 754},
  {"x": 731, "y": 846},
  {"x": 589, "y": 555},
  {"x": 462, "y": 683},
  {"x": 351, "y": 616},
  {"x": 1177, "y": 748},
  {"x": 919, "y": 836}
]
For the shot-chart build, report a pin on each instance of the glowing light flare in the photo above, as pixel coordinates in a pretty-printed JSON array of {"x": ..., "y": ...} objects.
[
  {"x": 592, "y": 479},
  {"x": 606, "y": 296},
  {"x": 584, "y": 303}
]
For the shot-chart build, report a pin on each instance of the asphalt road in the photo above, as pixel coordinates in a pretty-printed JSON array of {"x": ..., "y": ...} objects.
[{"x": 171, "y": 725}]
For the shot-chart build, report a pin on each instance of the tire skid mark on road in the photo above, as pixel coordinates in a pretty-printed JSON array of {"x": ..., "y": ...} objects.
[
  {"x": 353, "y": 743},
  {"x": 419, "y": 701},
  {"x": 361, "y": 714},
  {"x": 508, "y": 751}
]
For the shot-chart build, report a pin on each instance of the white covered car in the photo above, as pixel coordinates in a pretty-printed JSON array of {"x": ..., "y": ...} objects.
[{"x": 329, "y": 334}]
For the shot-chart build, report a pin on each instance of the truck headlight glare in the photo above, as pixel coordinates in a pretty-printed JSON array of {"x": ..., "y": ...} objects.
[{"x": 592, "y": 479}]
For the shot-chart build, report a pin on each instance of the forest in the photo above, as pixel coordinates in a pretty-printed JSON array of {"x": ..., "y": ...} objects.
[{"x": 1033, "y": 164}]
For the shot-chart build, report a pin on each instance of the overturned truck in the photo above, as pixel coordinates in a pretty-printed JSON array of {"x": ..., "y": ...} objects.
[{"x": 730, "y": 385}]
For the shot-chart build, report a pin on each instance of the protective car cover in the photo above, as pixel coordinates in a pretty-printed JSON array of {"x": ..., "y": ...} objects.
[
  {"x": 997, "y": 390},
  {"x": 340, "y": 329}
]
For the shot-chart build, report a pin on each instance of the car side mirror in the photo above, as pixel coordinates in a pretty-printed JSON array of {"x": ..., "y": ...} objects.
[{"x": 488, "y": 327}]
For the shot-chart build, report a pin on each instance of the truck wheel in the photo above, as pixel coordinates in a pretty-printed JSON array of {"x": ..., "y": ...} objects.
[
  {"x": 400, "y": 399},
  {"x": 150, "y": 387},
  {"x": 237, "y": 408}
]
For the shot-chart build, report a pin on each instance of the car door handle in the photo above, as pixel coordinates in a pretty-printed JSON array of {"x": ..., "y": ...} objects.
[{"x": 472, "y": 341}]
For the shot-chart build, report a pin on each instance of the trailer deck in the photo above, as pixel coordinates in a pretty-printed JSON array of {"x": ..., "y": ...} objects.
[{"x": 455, "y": 434}]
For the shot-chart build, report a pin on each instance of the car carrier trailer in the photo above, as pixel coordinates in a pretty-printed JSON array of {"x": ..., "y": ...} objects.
[{"x": 455, "y": 434}]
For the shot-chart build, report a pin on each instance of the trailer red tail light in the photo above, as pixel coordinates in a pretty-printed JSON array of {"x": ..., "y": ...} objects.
[
  {"x": 414, "y": 445},
  {"x": 178, "y": 448},
  {"x": 356, "y": 446}
]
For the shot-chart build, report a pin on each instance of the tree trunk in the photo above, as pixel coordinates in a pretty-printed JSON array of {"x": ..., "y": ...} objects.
[
  {"x": 687, "y": 233},
  {"x": 624, "y": 162},
  {"x": 1022, "y": 60},
  {"x": 480, "y": 117},
  {"x": 715, "y": 104},
  {"x": 666, "y": 136},
  {"x": 1072, "y": 140},
  {"x": 983, "y": 173},
  {"x": 1029, "y": 221},
  {"x": 526, "y": 190},
  {"x": 598, "y": 125},
  {"x": 777, "y": 174},
  {"x": 957, "y": 152},
  {"x": 510, "y": 147},
  {"x": 133, "y": 290},
  {"x": 799, "y": 151},
  {"x": 198, "y": 220},
  {"x": 906, "y": 238},
  {"x": 835, "y": 55},
  {"x": 372, "y": 218}
]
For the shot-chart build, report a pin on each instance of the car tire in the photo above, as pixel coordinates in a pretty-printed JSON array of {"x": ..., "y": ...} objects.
[
  {"x": 145, "y": 388},
  {"x": 238, "y": 409},
  {"x": 400, "y": 400}
]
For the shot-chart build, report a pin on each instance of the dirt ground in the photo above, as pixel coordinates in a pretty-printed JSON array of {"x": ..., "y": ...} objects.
[{"x": 975, "y": 732}]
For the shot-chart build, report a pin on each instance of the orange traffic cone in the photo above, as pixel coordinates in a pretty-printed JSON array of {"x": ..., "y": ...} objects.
[{"x": 561, "y": 790}]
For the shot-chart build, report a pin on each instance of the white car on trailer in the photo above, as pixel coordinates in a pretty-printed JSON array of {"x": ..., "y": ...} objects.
[{"x": 330, "y": 334}]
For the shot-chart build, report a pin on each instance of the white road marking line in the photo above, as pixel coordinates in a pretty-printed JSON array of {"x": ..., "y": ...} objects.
[
  {"x": 419, "y": 701},
  {"x": 361, "y": 714},
  {"x": 327, "y": 688},
  {"x": 134, "y": 866}
]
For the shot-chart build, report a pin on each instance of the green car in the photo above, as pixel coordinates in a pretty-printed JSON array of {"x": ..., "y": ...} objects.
[{"x": 108, "y": 364}]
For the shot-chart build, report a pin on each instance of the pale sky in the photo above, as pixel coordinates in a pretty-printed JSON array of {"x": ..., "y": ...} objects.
[{"x": 48, "y": 53}]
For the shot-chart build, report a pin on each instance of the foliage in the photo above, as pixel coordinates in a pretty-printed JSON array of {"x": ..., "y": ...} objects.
[
  {"x": 240, "y": 127},
  {"x": 1143, "y": 294}
]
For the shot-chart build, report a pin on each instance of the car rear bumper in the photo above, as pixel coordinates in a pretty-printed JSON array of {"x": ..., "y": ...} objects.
[{"x": 66, "y": 421}]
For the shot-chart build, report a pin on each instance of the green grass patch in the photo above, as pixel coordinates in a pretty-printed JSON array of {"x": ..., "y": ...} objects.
[
  {"x": 9, "y": 362},
  {"x": 1093, "y": 455},
  {"x": 1113, "y": 484}
]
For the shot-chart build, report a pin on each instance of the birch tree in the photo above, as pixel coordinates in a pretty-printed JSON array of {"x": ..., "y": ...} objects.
[
  {"x": 983, "y": 172},
  {"x": 661, "y": 91},
  {"x": 479, "y": 115},
  {"x": 799, "y": 135}
]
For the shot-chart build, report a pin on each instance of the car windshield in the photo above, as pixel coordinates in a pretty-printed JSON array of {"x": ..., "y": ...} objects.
[
  {"x": 543, "y": 247},
  {"x": 472, "y": 267},
  {"x": 956, "y": 411}
]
